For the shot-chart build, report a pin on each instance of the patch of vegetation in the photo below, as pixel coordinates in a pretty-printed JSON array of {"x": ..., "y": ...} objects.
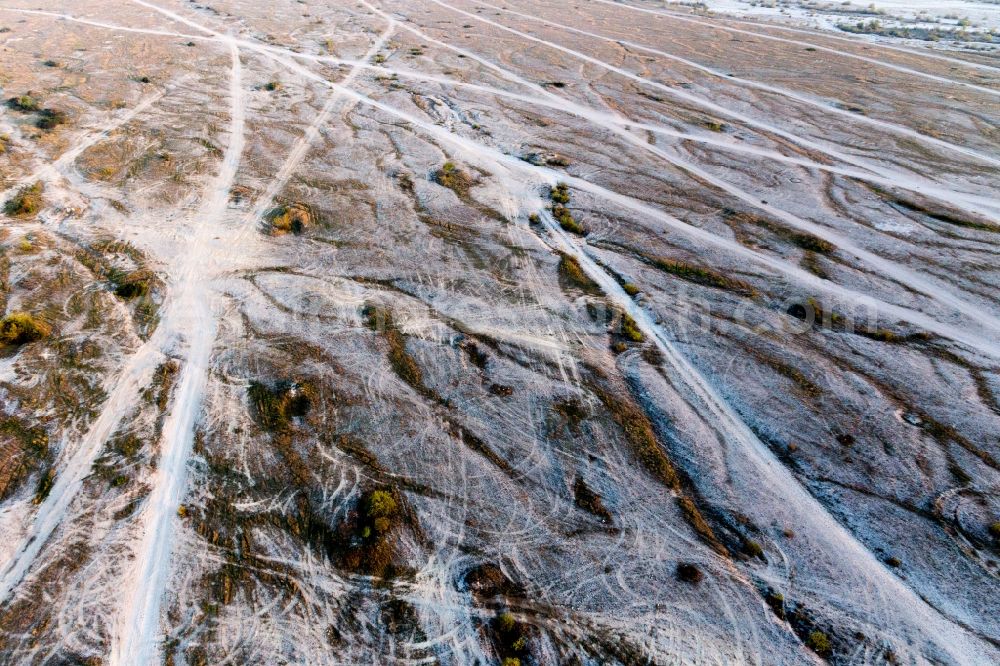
[
  {"x": 275, "y": 406},
  {"x": 131, "y": 285},
  {"x": 19, "y": 328},
  {"x": 566, "y": 221},
  {"x": 640, "y": 435},
  {"x": 630, "y": 289},
  {"x": 163, "y": 381},
  {"x": 776, "y": 601},
  {"x": 509, "y": 638},
  {"x": 994, "y": 530},
  {"x": 25, "y": 103},
  {"x": 51, "y": 63},
  {"x": 588, "y": 500},
  {"x": 26, "y": 202},
  {"x": 689, "y": 573},
  {"x": 402, "y": 363},
  {"x": 295, "y": 218},
  {"x": 630, "y": 329},
  {"x": 45, "y": 483},
  {"x": 455, "y": 179},
  {"x": 571, "y": 274},
  {"x": 49, "y": 119},
  {"x": 31, "y": 448},
  {"x": 272, "y": 86},
  {"x": 4, "y": 143},
  {"x": 939, "y": 214},
  {"x": 802, "y": 239},
  {"x": 753, "y": 548},
  {"x": 560, "y": 194},
  {"x": 819, "y": 642},
  {"x": 702, "y": 276}
]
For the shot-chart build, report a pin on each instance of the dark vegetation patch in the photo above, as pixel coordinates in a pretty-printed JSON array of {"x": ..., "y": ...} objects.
[
  {"x": 49, "y": 119},
  {"x": 294, "y": 218},
  {"x": 19, "y": 328},
  {"x": 641, "y": 437},
  {"x": 133, "y": 284},
  {"x": 701, "y": 275},
  {"x": 455, "y": 179},
  {"x": 814, "y": 313},
  {"x": 275, "y": 405},
  {"x": 935, "y": 212},
  {"x": 25, "y": 103},
  {"x": 24, "y": 450},
  {"x": 510, "y": 638},
  {"x": 572, "y": 275},
  {"x": 27, "y": 202},
  {"x": 802, "y": 239},
  {"x": 588, "y": 500},
  {"x": 689, "y": 573},
  {"x": 158, "y": 392}
]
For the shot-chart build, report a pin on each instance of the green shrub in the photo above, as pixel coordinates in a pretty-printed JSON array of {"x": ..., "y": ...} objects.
[
  {"x": 573, "y": 274},
  {"x": 560, "y": 194},
  {"x": 50, "y": 119},
  {"x": 26, "y": 203},
  {"x": 566, "y": 221},
  {"x": 20, "y": 328},
  {"x": 994, "y": 530},
  {"x": 25, "y": 103},
  {"x": 630, "y": 289},
  {"x": 454, "y": 179},
  {"x": 381, "y": 510},
  {"x": 752, "y": 548},
  {"x": 630, "y": 329},
  {"x": 132, "y": 285},
  {"x": 818, "y": 642},
  {"x": 703, "y": 276}
]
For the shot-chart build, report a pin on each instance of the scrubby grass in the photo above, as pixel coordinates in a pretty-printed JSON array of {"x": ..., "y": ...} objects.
[
  {"x": 20, "y": 328},
  {"x": 454, "y": 179},
  {"x": 131, "y": 285},
  {"x": 702, "y": 276},
  {"x": 589, "y": 501},
  {"x": 560, "y": 194},
  {"x": 566, "y": 221},
  {"x": 25, "y": 103},
  {"x": 818, "y": 642},
  {"x": 689, "y": 573},
  {"x": 630, "y": 329},
  {"x": 26, "y": 203},
  {"x": 275, "y": 406},
  {"x": 50, "y": 119},
  {"x": 573, "y": 275}
]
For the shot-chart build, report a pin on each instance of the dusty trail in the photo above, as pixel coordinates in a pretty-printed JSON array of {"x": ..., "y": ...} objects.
[
  {"x": 88, "y": 139},
  {"x": 985, "y": 206},
  {"x": 784, "y": 92},
  {"x": 189, "y": 317},
  {"x": 826, "y": 49},
  {"x": 899, "y": 273},
  {"x": 986, "y": 345},
  {"x": 122, "y": 390},
  {"x": 857, "y": 563}
]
